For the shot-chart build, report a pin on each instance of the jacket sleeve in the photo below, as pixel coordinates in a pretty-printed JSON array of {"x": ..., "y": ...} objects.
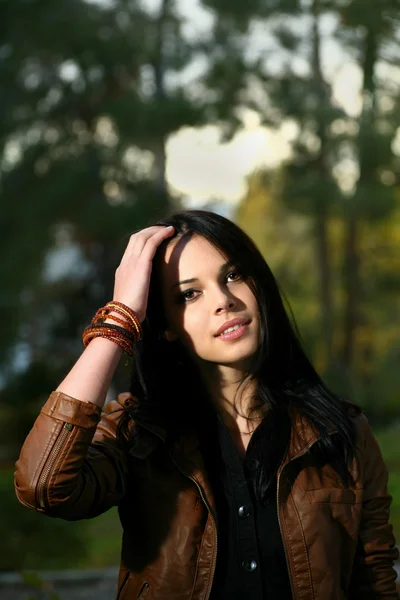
[
  {"x": 374, "y": 576},
  {"x": 70, "y": 465}
]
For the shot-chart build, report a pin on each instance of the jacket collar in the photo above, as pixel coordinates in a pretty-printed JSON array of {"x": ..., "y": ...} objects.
[
  {"x": 303, "y": 435},
  {"x": 185, "y": 452}
]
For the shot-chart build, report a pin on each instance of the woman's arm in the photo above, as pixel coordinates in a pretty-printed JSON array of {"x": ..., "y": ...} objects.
[
  {"x": 373, "y": 574},
  {"x": 60, "y": 471},
  {"x": 90, "y": 377},
  {"x": 70, "y": 465}
]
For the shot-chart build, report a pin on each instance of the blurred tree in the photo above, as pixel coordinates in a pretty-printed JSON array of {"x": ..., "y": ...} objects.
[
  {"x": 285, "y": 239},
  {"x": 373, "y": 195},
  {"x": 315, "y": 183},
  {"x": 282, "y": 236},
  {"x": 342, "y": 169},
  {"x": 86, "y": 111},
  {"x": 82, "y": 143},
  {"x": 28, "y": 536}
]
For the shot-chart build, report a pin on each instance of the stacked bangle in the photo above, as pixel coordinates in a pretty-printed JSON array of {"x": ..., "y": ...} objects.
[
  {"x": 125, "y": 336},
  {"x": 108, "y": 333},
  {"x": 130, "y": 321}
]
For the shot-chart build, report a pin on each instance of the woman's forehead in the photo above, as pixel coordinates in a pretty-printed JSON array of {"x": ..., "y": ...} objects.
[
  {"x": 189, "y": 257},
  {"x": 195, "y": 250}
]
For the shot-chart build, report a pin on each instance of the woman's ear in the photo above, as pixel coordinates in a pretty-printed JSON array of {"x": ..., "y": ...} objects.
[{"x": 170, "y": 336}]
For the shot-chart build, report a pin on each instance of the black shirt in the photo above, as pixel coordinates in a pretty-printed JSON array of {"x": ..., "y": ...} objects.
[{"x": 251, "y": 561}]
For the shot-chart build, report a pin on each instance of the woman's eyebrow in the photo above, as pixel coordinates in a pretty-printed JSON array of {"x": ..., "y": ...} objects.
[{"x": 222, "y": 268}]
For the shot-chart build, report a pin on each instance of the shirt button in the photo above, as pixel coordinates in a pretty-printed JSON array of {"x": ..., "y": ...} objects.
[
  {"x": 243, "y": 511},
  {"x": 250, "y": 564}
]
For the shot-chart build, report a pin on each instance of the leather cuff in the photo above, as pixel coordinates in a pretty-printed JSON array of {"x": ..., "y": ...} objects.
[{"x": 65, "y": 408}]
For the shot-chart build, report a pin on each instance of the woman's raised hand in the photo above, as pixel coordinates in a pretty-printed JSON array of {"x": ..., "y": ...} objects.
[
  {"x": 90, "y": 378},
  {"x": 132, "y": 278}
]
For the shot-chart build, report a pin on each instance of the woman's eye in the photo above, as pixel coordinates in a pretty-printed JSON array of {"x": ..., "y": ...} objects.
[
  {"x": 185, "y": 295},
  {"x": 235, "y": 273}
]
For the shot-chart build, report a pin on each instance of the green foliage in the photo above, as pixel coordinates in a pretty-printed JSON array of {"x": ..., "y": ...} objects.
[
  {"x": 371, "y": 201},
  {"x": 73, "y": 107},
  {"x": 33, "y": 580},
  {"x": 308, "y": 190},
  {"x": 31, "y": 540},
  {"x": 373, "y": 16},
  {"x": 388, "y": 443},
  {"x": 242, "y": 12}
]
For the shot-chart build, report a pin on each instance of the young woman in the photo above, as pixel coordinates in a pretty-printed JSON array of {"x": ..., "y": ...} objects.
[{"x": 236, "y": 472}]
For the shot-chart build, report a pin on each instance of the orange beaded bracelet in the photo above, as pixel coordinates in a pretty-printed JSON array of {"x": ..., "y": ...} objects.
[
  {"x": 125, "y": 336},
  {"x": 114, "y": 304},
  {"x": 126, "y": 347},
  {"x": 130, "y": 322}
]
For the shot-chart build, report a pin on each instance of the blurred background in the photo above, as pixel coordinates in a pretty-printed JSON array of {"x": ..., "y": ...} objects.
[{"x": 282, "y": 115}]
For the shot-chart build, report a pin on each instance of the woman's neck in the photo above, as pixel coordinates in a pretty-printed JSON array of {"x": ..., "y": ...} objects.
[{"x": 235, "y": 406}]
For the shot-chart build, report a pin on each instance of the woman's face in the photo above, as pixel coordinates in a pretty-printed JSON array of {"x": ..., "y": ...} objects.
[{"x": 196, "y": 310}]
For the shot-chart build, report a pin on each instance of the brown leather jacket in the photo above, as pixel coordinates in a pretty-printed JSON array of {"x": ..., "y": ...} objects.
[{"x": 337, "y": 540}]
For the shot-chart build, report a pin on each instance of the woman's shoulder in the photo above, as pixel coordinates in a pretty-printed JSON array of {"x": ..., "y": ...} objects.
[
  {"x": 354, "y": 411},
  {"x": 365, "y": 437},
  {"x": 120, "y": 417}
]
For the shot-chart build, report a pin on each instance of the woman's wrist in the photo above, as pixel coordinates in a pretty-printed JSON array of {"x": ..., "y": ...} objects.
[
  {"x": 110, "y": 346},
  {"x": 90, "y": 378},
  {"x": 116, "y": 322}
]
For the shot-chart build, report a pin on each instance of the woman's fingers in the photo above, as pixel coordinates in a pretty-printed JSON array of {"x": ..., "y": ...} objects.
[
  {"x": 139, "y": 240},
  {"x": 132, "y": 278}
]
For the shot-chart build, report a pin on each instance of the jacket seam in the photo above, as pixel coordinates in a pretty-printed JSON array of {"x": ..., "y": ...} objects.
[
  {"x": 305, "y": 548},
  {"x": 283, "y": 521},
  {"x": 197, "y": 564},
  {"x": 287, "y": 532},
  {"x": 63, "y": 418},
  {"x": 50, "y": 445},
  {"x": 23, "y": 501},
  {"x": 56, "y": 467},
  {"x": 209, "y": 574}
]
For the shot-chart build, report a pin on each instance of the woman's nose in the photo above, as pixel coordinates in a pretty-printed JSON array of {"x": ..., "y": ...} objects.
[{"x": 225, "y": 302}]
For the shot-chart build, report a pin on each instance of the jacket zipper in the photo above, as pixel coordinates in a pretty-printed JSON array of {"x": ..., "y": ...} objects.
[
  {"x": 124, "y": 586},
  {"x": 211, "y": 513},
  {"x": 65, "y": 430},
  {"x": 143, "y": 591},
  {"x": 277, "y": 505}
]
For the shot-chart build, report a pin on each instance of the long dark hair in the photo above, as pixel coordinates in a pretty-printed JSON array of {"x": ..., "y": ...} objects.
[{"x": 167, "y": 384}]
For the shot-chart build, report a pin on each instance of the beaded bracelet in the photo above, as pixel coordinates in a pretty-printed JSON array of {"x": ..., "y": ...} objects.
[
  {"x": 131, "y": 320},
  {"x": 102, "y": 315},
  {"x": 110, "y": 328},
  {"x": 131, "y": 325},
  {"x": 125, "y": 336},
  {"x": 125, "y": 347},
  {"x": 114, "y": 304},
  {"x": 119, "y": 335}
]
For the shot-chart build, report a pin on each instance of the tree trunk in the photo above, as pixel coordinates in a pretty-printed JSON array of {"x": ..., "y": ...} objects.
[
  {"x": 351, "y": 273},
  {"x": 321, "y": 211},
  {"x": 325, "y": 285},
  {"x": 160, "y": 182},
  {"x": 351, "y": 264}
]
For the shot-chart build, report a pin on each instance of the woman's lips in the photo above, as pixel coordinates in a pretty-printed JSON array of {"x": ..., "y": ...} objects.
[{"x": 235, "y": 334}]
